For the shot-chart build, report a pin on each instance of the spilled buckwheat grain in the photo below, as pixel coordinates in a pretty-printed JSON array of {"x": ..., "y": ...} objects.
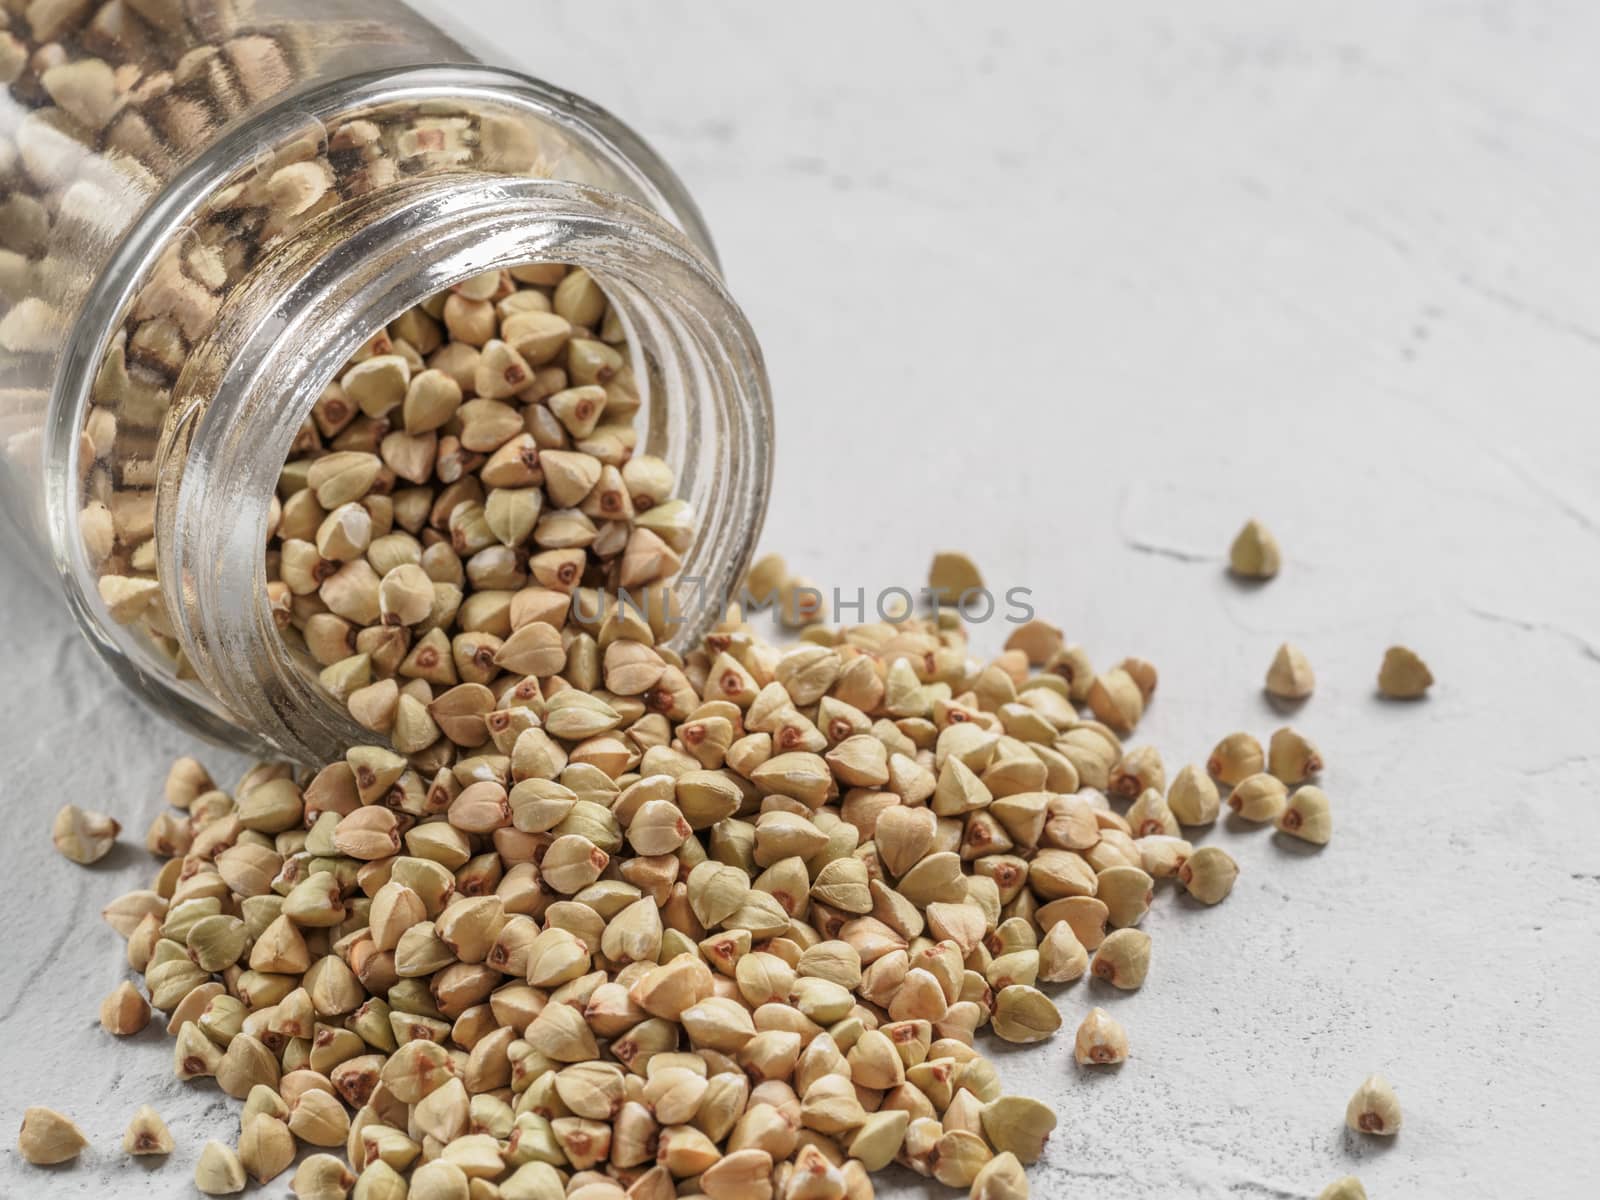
[{"x": 728, "y": 922}]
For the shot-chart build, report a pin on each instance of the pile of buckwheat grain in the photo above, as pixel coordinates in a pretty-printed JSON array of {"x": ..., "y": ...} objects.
[{"x": 726, "y": 923}]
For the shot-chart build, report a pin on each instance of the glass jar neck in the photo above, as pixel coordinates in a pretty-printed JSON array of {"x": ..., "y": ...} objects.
[
  {"x": 238, "y": 364},
  {"x": 250, "y": 384}
]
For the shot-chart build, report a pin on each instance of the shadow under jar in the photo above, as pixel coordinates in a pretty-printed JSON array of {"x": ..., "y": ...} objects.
[{"x": 206, "y": 210}]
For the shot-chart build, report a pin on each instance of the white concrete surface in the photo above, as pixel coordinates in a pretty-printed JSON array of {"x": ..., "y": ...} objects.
[{"x": 1079, "y": 288}]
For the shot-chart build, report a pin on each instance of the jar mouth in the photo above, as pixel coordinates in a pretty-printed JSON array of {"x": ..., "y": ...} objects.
[
  {"x": 251, "y": 384},
  {"x": 579, "y": 141}
]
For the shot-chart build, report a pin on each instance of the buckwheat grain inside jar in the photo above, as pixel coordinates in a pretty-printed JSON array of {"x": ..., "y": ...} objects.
[{"x": 207, "y": 209}]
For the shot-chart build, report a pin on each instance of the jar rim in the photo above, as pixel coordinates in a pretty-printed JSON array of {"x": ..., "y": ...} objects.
[
  {"x": 233, "y": 430},
  {"x": 585, "y": 222}
]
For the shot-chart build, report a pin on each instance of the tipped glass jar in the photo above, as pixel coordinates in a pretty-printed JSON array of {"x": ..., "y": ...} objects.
[{"x": 207, "y": 210}]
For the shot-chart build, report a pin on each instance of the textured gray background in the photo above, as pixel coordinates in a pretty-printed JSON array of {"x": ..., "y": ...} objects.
[{"x": 1079, "y": 291}]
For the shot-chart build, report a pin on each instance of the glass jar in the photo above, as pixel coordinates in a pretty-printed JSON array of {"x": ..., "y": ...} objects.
[{"x": 206, "y": 207}]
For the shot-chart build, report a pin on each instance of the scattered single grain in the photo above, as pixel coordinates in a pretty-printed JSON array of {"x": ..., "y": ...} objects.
[
  {"x": 124, "y": 1012},
  {"x": 1001, "y": 1178},
  {"x": 1101, "y": 1040},
  {"x": 1208, "y": 874},
  {"x": 1193, "y": 797},
  {"x": 147, "y": 1134},
  {"x": 1290, "y": 676},
  {"x": 48, "y": 1138},
  {"x": 1235, "y": 757},
  {"x": 1403, "y": 676},
  {"x": 1374, "y": 1108},
  {"x": 1024, "y": 1014},
  {"x": 218, "y": 1171},
  {"x": 952, "y": 575},
  {"x": 1292, "y": 756},
  {"x": 1307, "y": 817},
  {"x": 1254, "y": 553},
  {"x": 1123, "y": 959},
  {"x": 84, "y": 837},
  {"x": 1348, "y": 1188}
]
